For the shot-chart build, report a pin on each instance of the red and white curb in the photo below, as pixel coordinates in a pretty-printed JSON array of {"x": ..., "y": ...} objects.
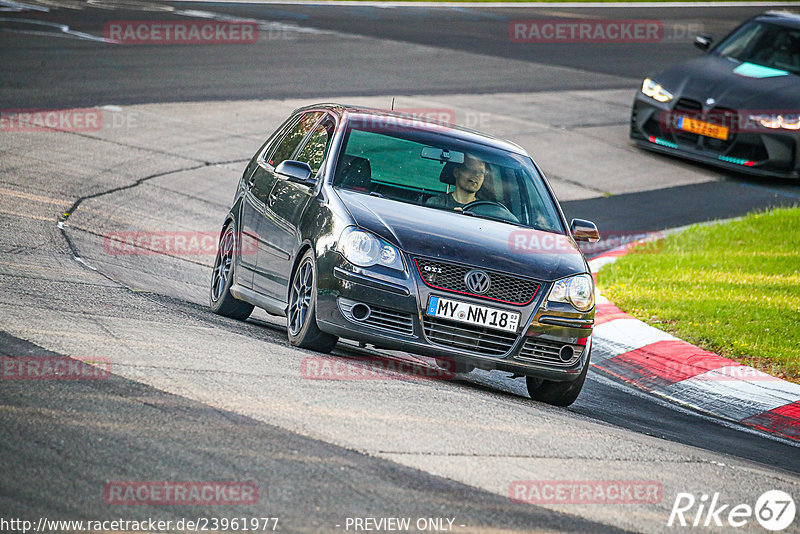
[{"x": 660, "y": 363}]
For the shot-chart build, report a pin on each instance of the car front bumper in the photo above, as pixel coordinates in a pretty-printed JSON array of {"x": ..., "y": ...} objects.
[
  {"x": 553, "y": 344},
  {"x": 748, "y": 150}
]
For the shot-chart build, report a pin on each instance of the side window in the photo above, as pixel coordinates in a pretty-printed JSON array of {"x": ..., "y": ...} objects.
[
  {"x": 269, "y": 147},
  {"x": 293, "y": 138},
  {"x": 316, "y": 148}
]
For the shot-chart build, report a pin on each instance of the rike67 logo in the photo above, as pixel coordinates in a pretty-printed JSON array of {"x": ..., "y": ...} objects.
[{"x": 774, "y": 510}]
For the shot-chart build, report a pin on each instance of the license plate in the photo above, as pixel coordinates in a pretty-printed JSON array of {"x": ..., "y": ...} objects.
[
  {"x": 703, "y": 128},
  {"x": 475, "y": 314}
]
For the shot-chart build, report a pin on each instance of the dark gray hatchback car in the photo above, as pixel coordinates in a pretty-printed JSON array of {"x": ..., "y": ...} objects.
[{"x": 411, "y": 235}]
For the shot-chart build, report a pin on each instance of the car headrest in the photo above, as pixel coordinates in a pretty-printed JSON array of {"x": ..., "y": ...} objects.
[
  {"x": 355, "y": 173},
  {"x": 447, "y": 176}
]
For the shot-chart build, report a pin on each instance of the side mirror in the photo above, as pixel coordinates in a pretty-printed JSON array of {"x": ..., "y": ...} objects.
[
  {"x": 584, "y": 231},
  {"x": 703, "y": 42},
  {"x": 295, "y": 171}
]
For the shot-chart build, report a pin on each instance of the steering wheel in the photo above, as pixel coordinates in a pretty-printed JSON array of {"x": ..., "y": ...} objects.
[{"x": 491, "y": 208}]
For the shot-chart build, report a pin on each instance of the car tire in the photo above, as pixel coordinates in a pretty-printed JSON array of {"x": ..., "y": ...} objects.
[
  {"x": 220, "y": 298},
  {"x": 557, "y": 393},
  {"x": 301, "y": 315}
]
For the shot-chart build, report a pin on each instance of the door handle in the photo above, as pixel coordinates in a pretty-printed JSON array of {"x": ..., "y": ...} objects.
[{"x": 272, "y": 198}]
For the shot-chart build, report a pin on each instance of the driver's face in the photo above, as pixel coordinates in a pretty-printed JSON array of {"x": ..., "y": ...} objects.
[{"x": 470, "y": 175}]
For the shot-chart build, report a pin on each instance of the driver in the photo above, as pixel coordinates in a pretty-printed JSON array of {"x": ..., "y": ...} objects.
[{"x": 469, "y": 179}]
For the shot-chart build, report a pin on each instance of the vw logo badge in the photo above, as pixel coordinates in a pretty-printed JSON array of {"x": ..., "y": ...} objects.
[
  {"x": 478, "y": 281},
  {"x": 710, "y": 102}
]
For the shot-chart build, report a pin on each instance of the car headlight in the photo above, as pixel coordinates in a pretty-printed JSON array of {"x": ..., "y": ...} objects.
[
  {"x": 787, "y": 121},
  {"x": 365, "y": 250},
  {"x": 575, "y": 290},
  {"x": 655, "y": 91}
]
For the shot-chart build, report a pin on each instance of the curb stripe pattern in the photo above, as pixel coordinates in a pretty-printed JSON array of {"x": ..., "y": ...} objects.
[{"x": 655, "y": 361}]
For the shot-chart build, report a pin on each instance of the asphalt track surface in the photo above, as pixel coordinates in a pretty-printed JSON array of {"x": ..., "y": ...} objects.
[{"x": 54, "y": 465}]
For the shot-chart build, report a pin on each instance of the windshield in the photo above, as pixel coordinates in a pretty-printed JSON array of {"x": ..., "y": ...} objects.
[
  {"x": 766, "y": 44},
  {"x": 442, "y": 172}
]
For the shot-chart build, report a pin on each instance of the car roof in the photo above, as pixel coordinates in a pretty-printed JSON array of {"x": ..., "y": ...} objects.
[
  {"x": 784, "y": 18},
  {"x": 349, "y": 112}
]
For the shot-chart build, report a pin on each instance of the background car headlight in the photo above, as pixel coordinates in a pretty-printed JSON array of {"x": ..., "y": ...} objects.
[
  {"x": 365, "y": 250},
  {"x": 787, "y": 121},
  {"x": 655, "y": 91},
  {"x": 576, "y": 290}
]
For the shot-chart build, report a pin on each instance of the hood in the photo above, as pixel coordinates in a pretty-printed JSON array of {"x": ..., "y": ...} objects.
[
  {"x": 732, "y": 84},
  {"x": 451, "y": 236}
]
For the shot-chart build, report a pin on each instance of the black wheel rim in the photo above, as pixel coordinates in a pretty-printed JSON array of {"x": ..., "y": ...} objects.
[
  {"x": 222, "y": 265},
  {"x": 300, "y": 297}
]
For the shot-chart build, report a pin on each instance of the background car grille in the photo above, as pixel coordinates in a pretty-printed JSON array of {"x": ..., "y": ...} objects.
[
  {"x": 545, "y": 351},
  {"x": 473, "y": 338},
  {"x": 687, "y": 104},
  {"x": 382, "y": 318},
  {"x": 450, "y": 277}
]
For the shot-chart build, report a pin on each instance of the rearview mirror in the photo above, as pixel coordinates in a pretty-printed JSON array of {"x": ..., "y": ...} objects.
[
  {"x": 442, "y": 155},
  {"x": 295, "y": 171},
  {"x": 584, "y": 231},
  {"x": 703, "y": 42}
]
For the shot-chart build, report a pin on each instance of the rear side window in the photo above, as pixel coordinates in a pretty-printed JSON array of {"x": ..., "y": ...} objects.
[
  {"x": 294, "y": 137},
  {"x": 316, "y": 148}
]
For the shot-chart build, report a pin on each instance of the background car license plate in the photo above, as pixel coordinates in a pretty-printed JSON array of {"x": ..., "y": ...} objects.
[
  {"x": 703, "y": 128},
  {"x": 473, "y": 314}
]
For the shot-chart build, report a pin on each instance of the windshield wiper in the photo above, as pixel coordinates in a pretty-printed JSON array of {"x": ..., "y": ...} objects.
[{"x": 490, "y": 218}]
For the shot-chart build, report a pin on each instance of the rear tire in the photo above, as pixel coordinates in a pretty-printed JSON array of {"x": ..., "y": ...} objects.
[
  {"x": 556, "y": 393},
  {"x": 301, "y": 317},
  {"x": 220, "y": 298}
]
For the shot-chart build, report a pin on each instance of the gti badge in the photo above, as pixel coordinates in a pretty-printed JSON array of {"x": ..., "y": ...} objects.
[{"x": 478, "y": 281}]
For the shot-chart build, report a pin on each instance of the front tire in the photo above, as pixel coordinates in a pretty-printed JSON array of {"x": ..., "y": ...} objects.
[
  {"x": 301, "y": 319},
  {"x": 220, "y": 298},
  {"x": 557, "y": 393}
]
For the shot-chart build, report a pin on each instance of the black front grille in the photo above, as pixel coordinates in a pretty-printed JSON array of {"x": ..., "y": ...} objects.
[
  {"x": 382, "y": 318},
  {"x": 688, "y": 104},
  {"x": 546, "y": 351},
  {"x": 399, "y": 322},
  {"x": 684, "y": 107},
  {"x": 465, "y": 337},
  {"x": 723, "y": 117},
  {"x": 450, "y": 277},
  {"x": 751, "y": 148}
]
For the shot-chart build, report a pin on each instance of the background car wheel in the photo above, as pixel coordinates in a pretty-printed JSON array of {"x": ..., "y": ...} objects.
[
  {"x": 221, "y": 300},
  {"x": 556, "y": 393},
  {"x": 301, "y": 323},
  {"x": 454, "y": 366}
]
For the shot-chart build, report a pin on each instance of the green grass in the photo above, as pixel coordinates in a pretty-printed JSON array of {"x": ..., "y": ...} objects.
[{"x": 732, "y": 288}]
